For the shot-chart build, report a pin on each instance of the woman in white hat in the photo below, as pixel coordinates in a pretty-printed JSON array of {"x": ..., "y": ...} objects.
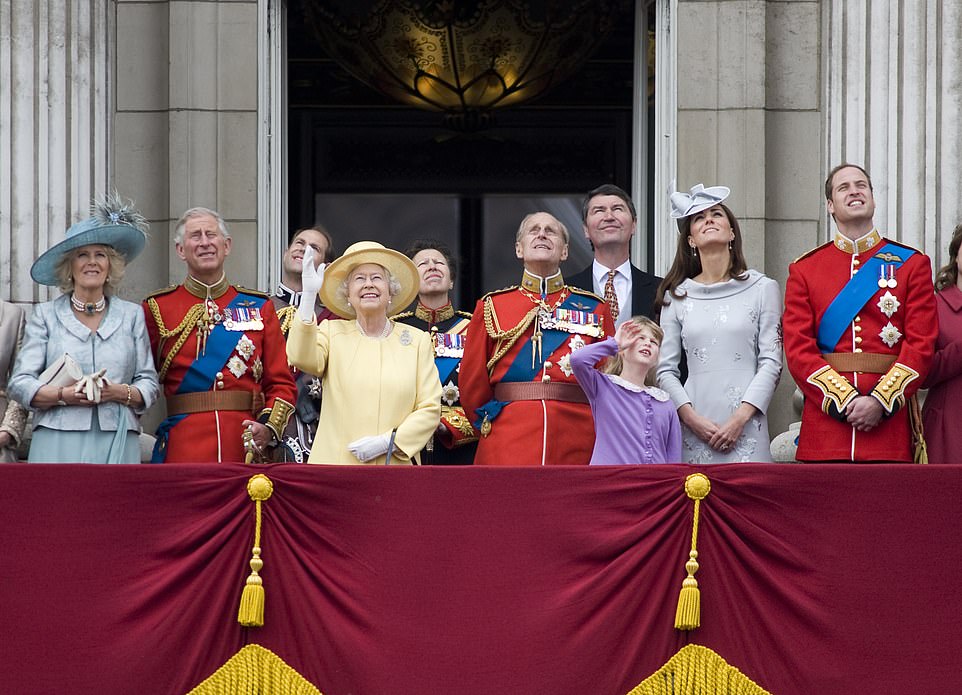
[
  {"x": 381, "y": 391},
  {"x": 85, "y": 367},
  {"x": 726, "y": 319}
]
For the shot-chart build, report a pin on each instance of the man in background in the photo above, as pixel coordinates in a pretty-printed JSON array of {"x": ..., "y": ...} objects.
[
  {"x": 610, "y": 221},
  {"x": 298, "y": 437}
]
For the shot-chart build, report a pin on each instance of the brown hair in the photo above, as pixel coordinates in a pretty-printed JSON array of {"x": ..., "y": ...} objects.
[
  {"x": 419, "y": 245},
  {"x": 687, "y": 265},
  {"x": 835, "y": 170},
  {"x": 615, "y": 364},
  {"x": 948, "y": 274},
  {"x": 320, "y": 229}
]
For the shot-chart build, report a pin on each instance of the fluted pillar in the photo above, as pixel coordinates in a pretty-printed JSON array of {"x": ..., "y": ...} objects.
[
  {"x": 54, "y": 102},
  {"x": 893, "y": 83}
]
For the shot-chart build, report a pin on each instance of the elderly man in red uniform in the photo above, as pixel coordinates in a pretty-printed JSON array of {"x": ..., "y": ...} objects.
[
  {"x": 220, "y": 355},
  {"x": 860, "y": 326},
  {"x": 516, "y": 373}
]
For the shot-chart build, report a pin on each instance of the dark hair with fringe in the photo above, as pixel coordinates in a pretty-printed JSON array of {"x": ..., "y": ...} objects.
[{"x": 687, "y": 265}]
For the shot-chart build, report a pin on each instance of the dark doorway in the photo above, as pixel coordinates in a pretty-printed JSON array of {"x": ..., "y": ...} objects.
[{"x": 368, "y": 168}]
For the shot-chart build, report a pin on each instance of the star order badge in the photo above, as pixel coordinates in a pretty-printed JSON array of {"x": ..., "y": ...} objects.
[
  {"x": 237, "y": 366},
  {"x": 245, "y": 347},
  {"x": 450, "y": 393},
  {"x": 888, "y": 304},
  {"x": 889, "y": 334}
]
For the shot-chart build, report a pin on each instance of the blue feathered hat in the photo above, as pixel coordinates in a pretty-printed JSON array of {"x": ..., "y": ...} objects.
[{"x": 113, "y": 222}]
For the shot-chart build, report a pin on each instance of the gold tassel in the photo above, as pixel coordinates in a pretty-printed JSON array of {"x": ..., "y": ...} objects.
[
  {"x": 688, "y": 612},
  {"x": 920, "y": 450},
  {"x": 250, "y": 613}
]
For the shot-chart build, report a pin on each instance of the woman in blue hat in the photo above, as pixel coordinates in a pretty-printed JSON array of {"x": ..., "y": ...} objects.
[{"x": 85, "y": 367}]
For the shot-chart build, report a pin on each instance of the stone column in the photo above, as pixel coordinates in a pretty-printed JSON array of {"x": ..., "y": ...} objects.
[
  {"x": 54, "y": 106},
  {"x": 893, "y": 84}
]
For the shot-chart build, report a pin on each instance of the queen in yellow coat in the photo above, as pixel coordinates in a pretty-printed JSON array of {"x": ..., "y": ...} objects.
[{"x": 381, "y": 394}]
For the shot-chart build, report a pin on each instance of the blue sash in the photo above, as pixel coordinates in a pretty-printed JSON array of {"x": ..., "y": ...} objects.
[
  {"x": 446, "y": 367},
  {"x": 201, "y": 373},
  {"x": 524, "y": 367},
  {"x": 856, "y": 293}
]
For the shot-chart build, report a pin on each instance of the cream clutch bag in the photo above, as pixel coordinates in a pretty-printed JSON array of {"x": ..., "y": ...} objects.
[{"x": 64, "y": 372}]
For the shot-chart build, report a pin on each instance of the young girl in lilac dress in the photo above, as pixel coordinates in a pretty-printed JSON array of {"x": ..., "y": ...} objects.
[{"x": 635, "y": 422}]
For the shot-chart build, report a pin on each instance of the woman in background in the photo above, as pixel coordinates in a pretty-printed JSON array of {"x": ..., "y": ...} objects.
[
  {"x": 455, "y": 440},
  {"x": 93, "y": 419},
  {"x": 726, "y": 319},
  {"x": 943, "y": 436},
  {"x": 13, "y": 416}
]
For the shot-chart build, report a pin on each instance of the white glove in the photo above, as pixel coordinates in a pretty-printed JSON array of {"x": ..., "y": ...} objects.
[
  {"x": 311, "y": 280},
  {"x": 91, "y": 384},
  {"x": 368, "y": 448}
]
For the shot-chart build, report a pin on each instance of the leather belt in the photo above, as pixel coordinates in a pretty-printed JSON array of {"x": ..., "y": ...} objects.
[
  {"x": 867, "y": 362},
  {"x": 539, "y": 391},
  {"x": 209, "y": 401}
]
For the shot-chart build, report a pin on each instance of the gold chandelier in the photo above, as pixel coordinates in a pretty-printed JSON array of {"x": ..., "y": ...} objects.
[{"x": 463, "y": 59}]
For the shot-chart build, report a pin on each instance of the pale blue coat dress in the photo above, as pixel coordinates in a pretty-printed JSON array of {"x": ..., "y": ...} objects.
[
  {"x": 731, "y": 334},
  {"x": 109, "y": 432}
]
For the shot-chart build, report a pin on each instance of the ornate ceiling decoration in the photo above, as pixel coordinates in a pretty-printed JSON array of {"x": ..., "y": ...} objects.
[{"x": 463, "y": 59}]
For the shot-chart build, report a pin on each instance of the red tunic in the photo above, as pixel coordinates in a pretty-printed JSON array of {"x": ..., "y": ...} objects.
[
  {"x": 528, "y": 433},
  {"x": 258, "y": 365},
  {"x": 899, "y": 321}
]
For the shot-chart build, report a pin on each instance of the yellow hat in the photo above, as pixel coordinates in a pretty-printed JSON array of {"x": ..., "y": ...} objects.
[{"x": 399, "y": 265}]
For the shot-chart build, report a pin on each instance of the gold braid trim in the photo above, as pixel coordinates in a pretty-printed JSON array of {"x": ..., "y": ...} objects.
[
  {"x": 697, "y": 670},
  {"x": 286, "y": 316},
  {"x": 255, "y": 669},
  {"x": 506, "y": 339},
  {"x": 190, "y": 320}
]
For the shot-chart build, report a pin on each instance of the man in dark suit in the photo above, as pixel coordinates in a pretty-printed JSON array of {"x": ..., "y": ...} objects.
[{"x": 609, "y": 220}]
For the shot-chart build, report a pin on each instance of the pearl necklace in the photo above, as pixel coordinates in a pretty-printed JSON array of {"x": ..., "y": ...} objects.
[
  {"x": 384, "y": 333},
  {"x": 88, "y": 308}
]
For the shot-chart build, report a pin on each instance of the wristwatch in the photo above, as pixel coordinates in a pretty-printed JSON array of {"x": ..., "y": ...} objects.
[{"x": 60, "y": 400}]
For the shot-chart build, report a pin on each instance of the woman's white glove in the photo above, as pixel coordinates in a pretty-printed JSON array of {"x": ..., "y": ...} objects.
[
  {"x": 91, "y": 384},
  {"x": 367, "y": 448},
  {"x": 311, "y": 280}
]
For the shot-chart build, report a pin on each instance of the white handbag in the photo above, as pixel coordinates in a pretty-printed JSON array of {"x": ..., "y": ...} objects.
[{"x": 64, "y": 372}]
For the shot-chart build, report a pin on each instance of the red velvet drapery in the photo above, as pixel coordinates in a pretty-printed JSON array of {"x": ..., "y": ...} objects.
[{"x": 411, "y": 581}]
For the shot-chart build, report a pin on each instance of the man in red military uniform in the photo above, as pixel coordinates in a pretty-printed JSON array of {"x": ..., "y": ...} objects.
[
  {"x": 516, "y": 375},
  {"x": 859, "y": 326},
  {"x": 220, "y": 355}
]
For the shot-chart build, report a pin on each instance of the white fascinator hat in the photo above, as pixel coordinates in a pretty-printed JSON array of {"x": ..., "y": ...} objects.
[{"x": 697, "y": 199}]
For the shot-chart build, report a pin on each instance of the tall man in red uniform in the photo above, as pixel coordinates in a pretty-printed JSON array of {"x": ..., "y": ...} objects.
[
  {"x": 220, "y": 354},
  {"x": 860, "y": 326},
  {"x": 516, "y": 375}
]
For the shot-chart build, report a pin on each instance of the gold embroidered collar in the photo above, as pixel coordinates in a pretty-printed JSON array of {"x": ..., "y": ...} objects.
[
  {"x": 533, "y": 283},
  {"x": 860, "y": 245},
  {"x": 434, "y": 316},
  {"x": 203, "y": 290}
]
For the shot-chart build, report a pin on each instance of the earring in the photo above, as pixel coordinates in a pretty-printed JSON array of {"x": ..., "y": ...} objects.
[
  {"x": 729, "y": 245},
  {"x": 694, "y": 252}
]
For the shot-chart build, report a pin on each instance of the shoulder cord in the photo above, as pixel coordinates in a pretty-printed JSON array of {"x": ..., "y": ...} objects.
[
  {"x": 506, "y": 339},
  {"x": 191, "y": 318}
]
